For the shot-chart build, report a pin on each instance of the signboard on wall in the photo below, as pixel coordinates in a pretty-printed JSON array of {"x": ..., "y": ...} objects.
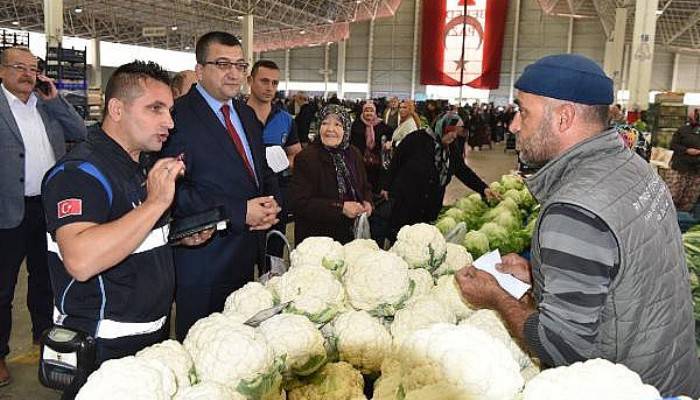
[{"x": 459, "y": 48}]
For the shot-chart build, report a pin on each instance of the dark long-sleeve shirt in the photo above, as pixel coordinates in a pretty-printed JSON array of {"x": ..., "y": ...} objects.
[{"x": 579, "y": 260}]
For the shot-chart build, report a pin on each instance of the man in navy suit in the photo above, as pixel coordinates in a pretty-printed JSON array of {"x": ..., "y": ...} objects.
[{"x": 225, "y": 157}]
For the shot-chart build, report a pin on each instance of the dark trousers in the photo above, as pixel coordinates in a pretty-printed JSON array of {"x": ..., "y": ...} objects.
[
  {"x": 194, "y": 303},
  {"x": 26, "y": 240}
]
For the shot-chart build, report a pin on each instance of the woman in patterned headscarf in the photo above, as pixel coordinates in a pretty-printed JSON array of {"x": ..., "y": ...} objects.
[
  {"x": 329, "y": 188},
  {"x": 366, "y": 134},
  {"x": 421, "y": 169}
]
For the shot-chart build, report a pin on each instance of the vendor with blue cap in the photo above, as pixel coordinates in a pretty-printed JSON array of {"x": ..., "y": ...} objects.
[{"x": 608, "y": 273}]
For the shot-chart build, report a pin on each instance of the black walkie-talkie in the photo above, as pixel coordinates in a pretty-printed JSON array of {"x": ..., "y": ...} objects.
[{"x": 67, "y": 358}]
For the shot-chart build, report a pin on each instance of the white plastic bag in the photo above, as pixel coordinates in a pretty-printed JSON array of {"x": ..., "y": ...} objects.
[
  {"x": 361, "y": 227},
  {"x": 457, "y": 234}
]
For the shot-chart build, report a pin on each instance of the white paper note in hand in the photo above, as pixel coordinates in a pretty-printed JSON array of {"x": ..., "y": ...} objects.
[
  {"x": 508, "y": 282},
  {"x": 276, "y": 158}
]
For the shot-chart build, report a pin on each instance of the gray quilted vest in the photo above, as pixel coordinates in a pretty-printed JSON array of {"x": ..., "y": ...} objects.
[{"x": 647, "y": 322}]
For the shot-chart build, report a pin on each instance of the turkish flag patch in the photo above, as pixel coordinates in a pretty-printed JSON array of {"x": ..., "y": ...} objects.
[{"x": 70, "y": 207}]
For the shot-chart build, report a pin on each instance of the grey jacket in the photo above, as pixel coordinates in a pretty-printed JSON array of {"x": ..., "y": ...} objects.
[
  {"x": 62, "y": 123},
  {"x": 647, "y": 322}
]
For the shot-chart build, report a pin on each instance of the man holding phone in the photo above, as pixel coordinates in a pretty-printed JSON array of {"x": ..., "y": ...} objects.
[{"x": 34, "y": 126}]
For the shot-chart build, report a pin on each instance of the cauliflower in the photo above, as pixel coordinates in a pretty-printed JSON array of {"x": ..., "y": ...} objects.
[
  {"x": 490, "y": 322},
  {"x": 423, "y": 282},
  {"x": 319, "y": 251},
  {"x": 461, "y": 362},
  {"x": 457, "y": 258},
  {"x": 476, "y": 243},
  {"x": 425, "y": 311},
  {"x": 129, "y": 378},
  {"x": 357, "y": 248},
  {"x": 314, "y": 292},
  {"x": 235, "y": 355},
  {"x": 446, "y": 224},
  {"x": 297, "y": 340},
  {"x": 208, "y": 391},
  {"x": 361, "y": 340},
  {"x": 592, "y": 379},
  {"x": 447, "y": 292},
  {"x": 335, "y": 381},
  {"x": 174, "y": 356},
  {"x": 378, "y": 283},
  {"x": 249, "y": 300},
  {"x": 421, "y": 246}
]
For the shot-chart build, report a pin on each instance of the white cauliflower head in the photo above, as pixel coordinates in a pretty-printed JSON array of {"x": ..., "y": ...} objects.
[
  {"x": 319, "y": 251},
  {"x": 592, "y": 379},
  {"x": 459, "y": 361},
  {"x": 491, "y": 323},
  {"x": 174, "y": 356},
  {"x": 235, "y": 355},
  {"x": 129, "y": 378},
  {"x": 361, "y": 340},
  {"x": 421, "y": 246},
  {"x": 423, "y": 312},
  {"x": 378, "y": 283},
  {"x": 297, "y": 340},
  {"x": 314, "y": 292},
  {"x": 208, "y": 391},
  {"x": 447, "y": 292},
  {"x": 357, "y": 248},
  {"x": 423, "y": 281},
  {"x": 247, "y": 301},
  {"x": 335, "y": 381},
  {"x": 457, "y": 257}
]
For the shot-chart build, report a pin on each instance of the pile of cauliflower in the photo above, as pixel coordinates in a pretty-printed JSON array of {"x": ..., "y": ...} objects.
[{"x": 355, "y": 313}]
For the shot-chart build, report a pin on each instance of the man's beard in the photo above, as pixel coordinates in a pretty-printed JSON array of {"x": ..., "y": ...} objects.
[{"x": 536, "y": 150}]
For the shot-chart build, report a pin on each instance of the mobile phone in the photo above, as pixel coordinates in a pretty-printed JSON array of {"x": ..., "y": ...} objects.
[{"x": 42, "y": 86}]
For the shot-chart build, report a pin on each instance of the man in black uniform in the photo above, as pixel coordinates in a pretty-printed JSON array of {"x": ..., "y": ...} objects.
[{"x": 107, "y": 217}]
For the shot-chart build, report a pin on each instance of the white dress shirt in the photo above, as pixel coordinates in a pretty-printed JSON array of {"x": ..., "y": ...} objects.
[{"x": 38, "y": 153}]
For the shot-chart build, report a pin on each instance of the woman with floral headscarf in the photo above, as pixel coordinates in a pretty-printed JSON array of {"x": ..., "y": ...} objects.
[
  {"x": 329, "y": 188},
  {"x": 421, "y": 169},
  {"x": 367, "y": 133}
]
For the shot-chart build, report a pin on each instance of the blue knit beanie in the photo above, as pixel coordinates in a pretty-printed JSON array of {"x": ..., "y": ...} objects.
[{"x": 571, "y": 77}]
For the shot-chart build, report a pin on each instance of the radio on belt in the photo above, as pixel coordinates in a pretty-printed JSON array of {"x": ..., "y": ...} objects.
[{"x": 67, "y": 356}]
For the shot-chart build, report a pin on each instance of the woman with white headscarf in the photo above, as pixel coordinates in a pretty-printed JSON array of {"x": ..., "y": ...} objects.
[{"x": 329, "y": 188}]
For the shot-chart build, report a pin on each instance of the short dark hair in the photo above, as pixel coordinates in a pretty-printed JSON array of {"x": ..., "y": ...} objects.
[
  {"x": 269, "y": 64},
  {"x": 125, "y": 83},
  {"x": 599, "y": 114},
  {"x": 202, "y": 47}
]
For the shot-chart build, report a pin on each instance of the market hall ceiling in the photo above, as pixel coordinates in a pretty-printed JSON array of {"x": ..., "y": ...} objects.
[
  {"x": 176, "y": 24},
  {"x": 280, "y": 24},
  {"x": 677, "y": 24}
]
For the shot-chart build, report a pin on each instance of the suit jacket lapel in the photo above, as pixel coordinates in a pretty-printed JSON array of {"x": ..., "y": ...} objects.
[
  {"x": 53, "y": 139},
  {"x": 6, "y": 113},
  {"x": 213, "y": 124}
]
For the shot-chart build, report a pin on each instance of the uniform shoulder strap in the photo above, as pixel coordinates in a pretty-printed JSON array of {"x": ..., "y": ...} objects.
[{"x": 87, "y": 167}]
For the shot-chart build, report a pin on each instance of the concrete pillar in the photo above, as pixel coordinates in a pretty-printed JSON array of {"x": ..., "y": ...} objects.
[
  {"x": 370, "y": 58},
  {"x": 53, "y": 22},
  {"x": 642, "y": 53},
  {"x": 247, "y": 37},
  {"x": 414, "y": 58},
  {"x": 96, "y": 64},
  {"x": 340, "y": 74},
  {"x": 615, "y": 48},
  {"x": 570, "y": 37},
  {"x": 326, "y": 70},
  {"x": 514, "y": 54},
  {"x": 286, "y": 72},
  {"x": 674, "y": 77}
]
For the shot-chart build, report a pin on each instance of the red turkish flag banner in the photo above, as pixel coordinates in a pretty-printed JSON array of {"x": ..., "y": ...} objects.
[
  {"x": 444, "y": 25},
  {"x": 68, "y": 207}
]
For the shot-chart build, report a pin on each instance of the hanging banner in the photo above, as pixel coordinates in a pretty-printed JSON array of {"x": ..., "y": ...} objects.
[{"x": 462, "y": 48}]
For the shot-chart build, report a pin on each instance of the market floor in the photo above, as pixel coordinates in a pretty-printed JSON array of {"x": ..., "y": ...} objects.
[{"x": 23, "y": 359}]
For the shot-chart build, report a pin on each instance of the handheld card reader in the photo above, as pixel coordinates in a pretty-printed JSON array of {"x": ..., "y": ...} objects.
[{"x": 67, "y": 357}]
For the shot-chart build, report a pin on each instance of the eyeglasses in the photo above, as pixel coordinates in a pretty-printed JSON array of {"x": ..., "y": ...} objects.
[
  {"x": 21, "y": 68},
  {"x": 241, "y": 66}
]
